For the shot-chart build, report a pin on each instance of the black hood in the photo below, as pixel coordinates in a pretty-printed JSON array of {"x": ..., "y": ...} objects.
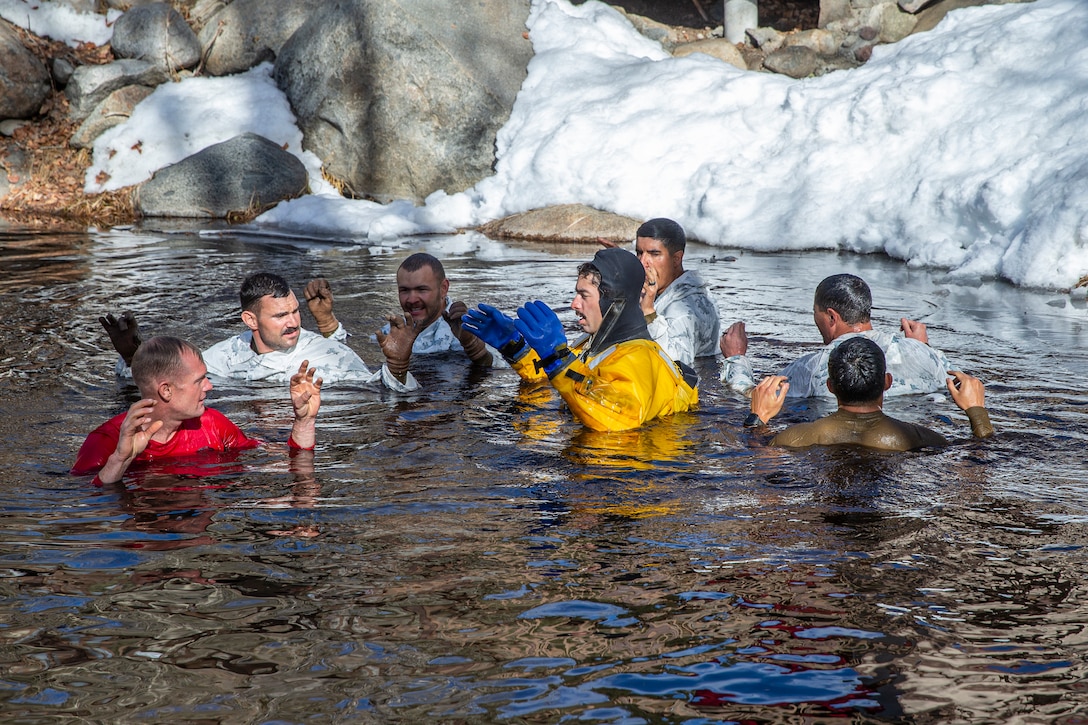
[{"x": 622, "y": 277}]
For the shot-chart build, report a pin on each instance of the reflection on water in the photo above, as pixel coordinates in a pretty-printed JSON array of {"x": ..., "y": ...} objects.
[{"x": 467, "y": 554}]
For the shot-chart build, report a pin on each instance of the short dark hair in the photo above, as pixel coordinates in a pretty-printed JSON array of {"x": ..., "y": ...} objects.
[
  {"x": 848, "y": 295},
  {"x": 419, "y": 260},
  {"x": 259, "y": 285},
  {"x": 665, "y": 231},
  {"x": 856, "y": 370},
  {"x": 588, "y": 269},
  {"x": 158, "y": 358}
]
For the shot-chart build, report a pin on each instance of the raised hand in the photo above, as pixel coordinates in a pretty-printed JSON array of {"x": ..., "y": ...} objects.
[
  {"x": 541, "y": 328},
  {"x": 493, "y": 327},
  {"x": 473, "y": 346},
  {"x": 769, "y": 396},
  {"x": 137, "y": 429},
  {"x": 306, "y": 401},
  {"x": 306, "y": 392},
  {"x": 124, "y": 333},
  {"x": 734, "y": 340},
  {"x": 397, "y": 344},
  {"x": 914, "y": 330},
  {"x": 319, "y": 299},
  {"x": 967, "y": 391},
  {"x": 649, "y": 292}
]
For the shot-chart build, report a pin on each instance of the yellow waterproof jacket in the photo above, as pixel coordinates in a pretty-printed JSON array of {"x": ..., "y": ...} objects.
[{"x": 620, "y": 388}]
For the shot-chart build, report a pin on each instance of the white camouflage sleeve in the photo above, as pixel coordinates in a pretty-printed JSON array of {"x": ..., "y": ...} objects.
[{"x": 737, "y": 373}]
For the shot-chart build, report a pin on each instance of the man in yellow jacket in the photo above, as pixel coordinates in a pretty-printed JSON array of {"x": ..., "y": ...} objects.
[{"x": 617, "y": 378}]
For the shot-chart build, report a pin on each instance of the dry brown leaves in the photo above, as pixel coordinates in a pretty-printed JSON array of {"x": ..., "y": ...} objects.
[{"x": 48, "y": 183}]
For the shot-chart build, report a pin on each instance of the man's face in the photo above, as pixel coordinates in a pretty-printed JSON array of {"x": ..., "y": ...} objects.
[
  {"x": 422, "y": 296},
  {"x": 587, "y": 305},
  {"x": 823, "y": 323},
  {"x": 275, "y": 324},
  {"x": 655, "y": 255},
  {"x": 189, "y": 388}
]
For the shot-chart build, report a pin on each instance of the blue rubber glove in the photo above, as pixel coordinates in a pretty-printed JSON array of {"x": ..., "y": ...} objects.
[
  {"x": 496, "y": 329},
  {"x": 541, "y": 328}
]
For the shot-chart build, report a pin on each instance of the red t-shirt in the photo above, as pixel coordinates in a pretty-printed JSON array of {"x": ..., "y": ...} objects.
[{"x": 212, "y": 431}]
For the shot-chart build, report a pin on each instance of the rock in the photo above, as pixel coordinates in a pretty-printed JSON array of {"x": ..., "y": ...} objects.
[
  {"x": 90, "y": 84},
  {"x": 190, "y": 8},
  {"x": 655, "y": 31},
  {"x": 822, "y": 42},
  {"x": 795, "y": 61},
  {"x": 202, "y": 11},
  {"x": 894, "y": 24},
  {"x": 415, "y": 96},
  {"x": 832, "y": 11},
  {"x": 15, "y": 168},
  {"x": 24, "y": 81},
  {"x": 719, "y": 48},
  {"x": 156, "y": 33},
  {"x": 245, "y": 173},
  {"x": 248, "y": 32},
  {"x": 565, "y": 223},
  {"x": 931, "y": 14},
  {"x": 113, "y": 110},
  {"x": 62, "y": 71},
  {"x": 126, "y": 5},
  {"x": 11, "y": 125},
  {"x": 913, "y": 6},
  {"x": 766, "y": 39}
]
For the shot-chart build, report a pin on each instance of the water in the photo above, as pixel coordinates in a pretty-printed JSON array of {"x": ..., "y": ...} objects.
[{"x": 468, "y": 554}]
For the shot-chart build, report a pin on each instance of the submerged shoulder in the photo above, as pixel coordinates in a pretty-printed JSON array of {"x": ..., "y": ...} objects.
[
  {"x": 800, "y": 435},
  {"x": 898, "y": 435}
]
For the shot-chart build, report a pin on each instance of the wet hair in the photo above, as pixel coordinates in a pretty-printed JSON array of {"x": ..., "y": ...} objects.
[
  {"x": 856, "y": 370},
  {"x": 260, "y": 285},
  {"x": 588, "y": 269},
  {"x": 159, "y": 358},
  {"x": 846, "y": 294},
  {"x": 419, "y": 260},
  {"x": 665, "y": 231}
]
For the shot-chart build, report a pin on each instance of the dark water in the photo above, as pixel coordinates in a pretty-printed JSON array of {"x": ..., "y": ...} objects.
[{"x": 468, "y": 554}]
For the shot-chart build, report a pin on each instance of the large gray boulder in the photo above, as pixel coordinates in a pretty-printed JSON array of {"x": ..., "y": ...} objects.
[
  {"x": 245, "y": 174},
  {"x": 400, "y": 99},
  {"x": 248, "y": 32},
  {"x": 24, "y": 81},
  {"x": 90, "y": 84},
  {"x": 156, "y": 33}
]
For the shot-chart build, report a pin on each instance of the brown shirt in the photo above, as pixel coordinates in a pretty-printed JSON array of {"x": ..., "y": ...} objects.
[{"x": 873, "y": 430}]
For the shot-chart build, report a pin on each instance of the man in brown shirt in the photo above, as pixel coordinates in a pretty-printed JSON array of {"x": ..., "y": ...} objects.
[{"x": 857, "y": 377}]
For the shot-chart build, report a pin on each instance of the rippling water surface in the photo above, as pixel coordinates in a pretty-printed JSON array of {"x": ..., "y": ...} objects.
[{"x": 469, "y": 554}]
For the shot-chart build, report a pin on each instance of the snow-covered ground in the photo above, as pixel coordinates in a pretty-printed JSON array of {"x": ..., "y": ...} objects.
[
  {"x": 964, "y": 147},
  {"x": 59, "y": 21}
]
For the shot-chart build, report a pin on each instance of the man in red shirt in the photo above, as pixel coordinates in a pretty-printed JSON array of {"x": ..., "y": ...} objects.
[{"x": 172, "y": 421}]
